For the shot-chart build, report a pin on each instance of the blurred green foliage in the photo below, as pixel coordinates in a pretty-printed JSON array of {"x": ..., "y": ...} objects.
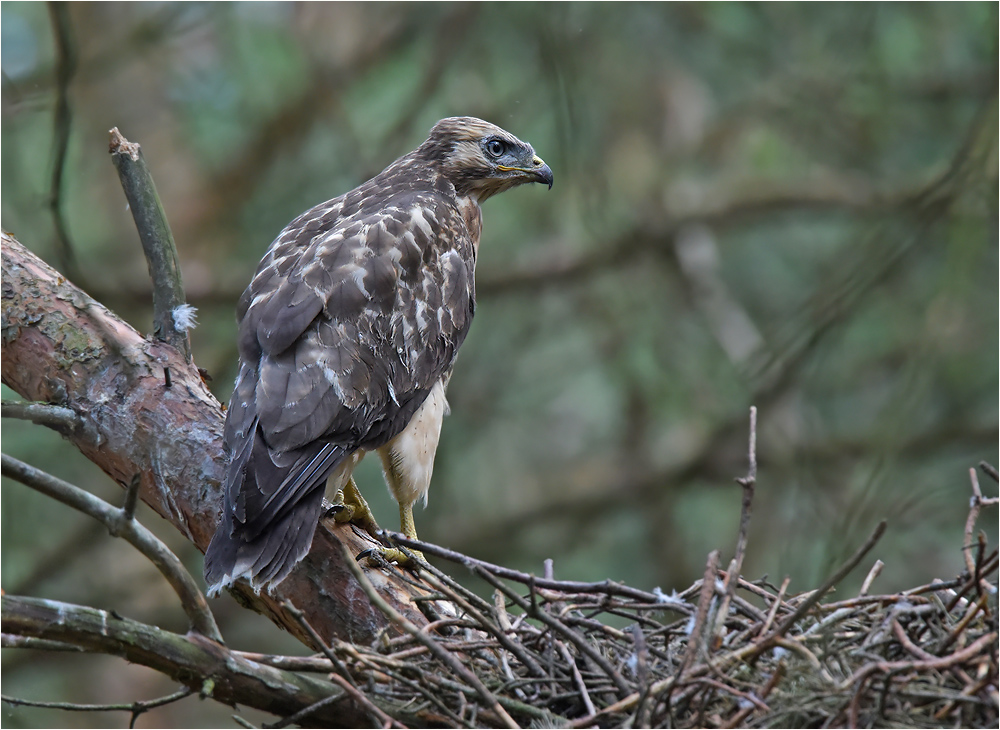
[{"x": 786, "y": 205}]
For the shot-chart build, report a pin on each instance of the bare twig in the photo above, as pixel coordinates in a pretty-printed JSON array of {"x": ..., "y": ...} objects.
[
  {"x": 581, "y": 686},
  {"x": 435, "y": 648},
  {"x": 833, "y": 580},
  {"x": 292, "y": 663},
  {"x": 643, "y": 710},
  {"x": 775, "y": 605},
  {"x": 705, "y": 598},
  {"x": 127, "y": 512},
  {"x": 192, "y": 599},
  {"x": 977, "y": 502},
  {"x": 136, "y": 708},
  {"x": 607, "y": 587},
  {"x": 736, "y": 566},
  {"x": 61, "y": 419},
  {"x": 157, "y": 242},
  {"x": 874, "y": 573}
]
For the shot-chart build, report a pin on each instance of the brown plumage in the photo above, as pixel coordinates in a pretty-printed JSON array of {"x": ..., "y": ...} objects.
[{"x": 347, "y": 336}]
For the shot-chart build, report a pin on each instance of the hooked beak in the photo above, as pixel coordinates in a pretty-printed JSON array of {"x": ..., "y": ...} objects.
[
  {"x": 538, "y": 172},
  {"x": 543, "y": 173}
]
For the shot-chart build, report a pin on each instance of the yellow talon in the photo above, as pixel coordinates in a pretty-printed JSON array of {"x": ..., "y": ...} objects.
[{"x": 350, "y": 506}]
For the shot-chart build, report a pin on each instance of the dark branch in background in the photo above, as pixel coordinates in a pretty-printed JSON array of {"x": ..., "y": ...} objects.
[
  {"x": 121, "y": 524},
  {"x": 65, "y": 68},
  {"x": 157, "y": 243},
  {"x": 720, "y": 208},
  {"x": 990, "y": 470},
  {"x": 871, "y": 261},
  {"x": 281, "y": 136},
  {"x": 62, "y": 557},
  {"x": 451, "y": 34}
]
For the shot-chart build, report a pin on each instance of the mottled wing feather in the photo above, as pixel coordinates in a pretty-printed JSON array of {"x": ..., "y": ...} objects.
[{"x": 354, "y": 314}]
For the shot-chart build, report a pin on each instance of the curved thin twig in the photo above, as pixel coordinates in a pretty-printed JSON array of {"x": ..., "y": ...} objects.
[
  {"x": 192, "y": 599},
  {"x": 606, "y": 587}
]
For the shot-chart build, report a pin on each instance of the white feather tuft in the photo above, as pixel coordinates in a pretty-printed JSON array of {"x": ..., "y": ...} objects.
[
  {"x": 673, "y": 598},
  {"x": 185, "y": 317}
]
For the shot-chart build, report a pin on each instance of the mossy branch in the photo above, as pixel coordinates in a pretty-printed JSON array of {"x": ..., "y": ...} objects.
[{"x": 203, "y": 665}]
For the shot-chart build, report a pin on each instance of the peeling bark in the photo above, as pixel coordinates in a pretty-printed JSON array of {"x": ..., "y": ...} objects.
[{"x": 60, "y": 346}]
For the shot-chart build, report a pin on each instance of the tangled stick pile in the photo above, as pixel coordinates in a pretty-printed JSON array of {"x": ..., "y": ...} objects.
[{"x": 549, "y": 653}]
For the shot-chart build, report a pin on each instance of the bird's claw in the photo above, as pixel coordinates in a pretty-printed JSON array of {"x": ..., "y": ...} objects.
[
  {"x": 411, "y": 559},
  {"x": 339, "y": 512},
  {"x": 350, "y": 506}
]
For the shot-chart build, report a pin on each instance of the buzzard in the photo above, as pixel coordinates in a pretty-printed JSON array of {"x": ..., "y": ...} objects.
[{"x": 347, "y": 337}]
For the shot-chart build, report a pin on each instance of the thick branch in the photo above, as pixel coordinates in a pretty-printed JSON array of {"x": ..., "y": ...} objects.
[
  {"x": 60, "y": 346},
  {"x": 188, "y": 659}
]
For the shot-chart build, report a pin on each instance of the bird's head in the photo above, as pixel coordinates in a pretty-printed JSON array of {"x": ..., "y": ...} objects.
[{"x": 481, "y": 159}]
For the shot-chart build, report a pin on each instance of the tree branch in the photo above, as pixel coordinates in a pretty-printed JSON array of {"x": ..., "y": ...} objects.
[
  {"x": 121, "y": 524},
  {"x": 817, "y": 595},
  {"x": 136, "y": 708},
  {"x": 187, "y": 659},
  {"x": 157, "y": 242},
  {"x": 60, "y": 419}
]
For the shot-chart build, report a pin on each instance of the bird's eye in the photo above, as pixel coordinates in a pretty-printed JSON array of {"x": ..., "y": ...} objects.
[{"x": 496, "y": 147}]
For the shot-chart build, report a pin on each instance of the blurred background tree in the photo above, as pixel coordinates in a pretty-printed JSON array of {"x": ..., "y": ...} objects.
[{"x": 793, "y": 206}]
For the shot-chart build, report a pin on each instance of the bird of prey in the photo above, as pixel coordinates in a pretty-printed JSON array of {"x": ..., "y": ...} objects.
[{"x": 347, "y": 337}]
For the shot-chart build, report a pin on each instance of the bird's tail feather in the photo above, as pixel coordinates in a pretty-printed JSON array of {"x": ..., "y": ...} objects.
[
  {"x": 266, "y": 529},
  {"x": 268, "y": 558}
]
